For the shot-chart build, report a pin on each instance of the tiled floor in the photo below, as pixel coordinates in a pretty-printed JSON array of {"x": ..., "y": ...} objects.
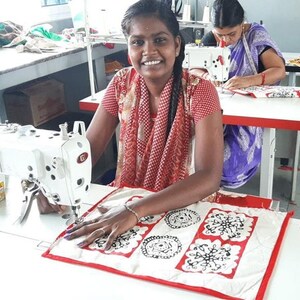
[{"x": 282, "y": 186}]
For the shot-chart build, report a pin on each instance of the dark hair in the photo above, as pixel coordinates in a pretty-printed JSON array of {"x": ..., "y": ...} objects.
[
  {"x": 227, "y": 13},
  {"x": 163, "y": 12}
]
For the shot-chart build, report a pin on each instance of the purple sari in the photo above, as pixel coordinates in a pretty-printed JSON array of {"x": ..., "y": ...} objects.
[{"x": 243, "y": 144}]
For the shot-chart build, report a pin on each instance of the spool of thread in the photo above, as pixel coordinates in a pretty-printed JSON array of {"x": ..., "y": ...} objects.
[
  {"x": 186, "y": 16},
  {"x": 205, "y": 18},
  {"x": 77, "y": 13},
  {"x": 102, "y": 27},
  {"x": 2, "y": 187}
]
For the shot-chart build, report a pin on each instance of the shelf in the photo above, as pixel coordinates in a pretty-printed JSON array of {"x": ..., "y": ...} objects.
[
  {"x": 120, "y": 39},
  {"x": 193, "y": 24},
  {"x": 111, "y": 38}
]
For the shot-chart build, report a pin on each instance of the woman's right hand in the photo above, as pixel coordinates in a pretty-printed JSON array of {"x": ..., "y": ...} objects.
[{"x": 112, "y": 222}]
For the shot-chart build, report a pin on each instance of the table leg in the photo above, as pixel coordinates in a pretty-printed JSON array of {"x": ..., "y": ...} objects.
[
  {"x": 292, "y": 79},
  {"x": 267, "y": 163},
  {"x": 295, "y": 168}
]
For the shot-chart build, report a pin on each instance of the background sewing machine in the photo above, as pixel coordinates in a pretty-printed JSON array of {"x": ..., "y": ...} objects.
[
  {"x": 216, "y": 60},
  {"x": 57, "y": 163}
]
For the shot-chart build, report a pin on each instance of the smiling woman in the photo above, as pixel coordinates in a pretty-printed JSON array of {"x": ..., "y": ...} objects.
[{"x": 162, "y": 109}]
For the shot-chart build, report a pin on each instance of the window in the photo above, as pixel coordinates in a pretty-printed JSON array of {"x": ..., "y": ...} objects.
[
  {"x": 53, "y": 2},
  {"x": 46, "y": 11}
]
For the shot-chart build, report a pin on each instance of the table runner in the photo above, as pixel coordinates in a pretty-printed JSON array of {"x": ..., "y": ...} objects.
[
  {"x": 227, "y": 248},
  {"x": 270, "y": 91}
]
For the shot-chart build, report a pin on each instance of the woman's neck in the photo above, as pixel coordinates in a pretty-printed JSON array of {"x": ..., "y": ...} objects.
[
  {"x": 246, "y": 27},
  {"x": 155, "y": 87}
]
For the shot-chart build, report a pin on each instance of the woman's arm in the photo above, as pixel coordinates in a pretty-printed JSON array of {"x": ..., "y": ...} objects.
[
  {"x": 100, "y": 132},
  {"x": 274, "y": 72},
  {"x": 274, "y": 66},
  {"x": 205, "y": 181}
]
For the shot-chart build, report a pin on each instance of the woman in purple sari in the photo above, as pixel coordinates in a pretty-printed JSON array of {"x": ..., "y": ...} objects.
[{"x": 255, "y": 60}]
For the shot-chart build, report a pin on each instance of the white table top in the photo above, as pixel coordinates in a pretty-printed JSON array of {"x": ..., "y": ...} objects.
[
  {"x": 283, "y": 113},
  {"x": 25, "y": 274},
  {"x": 290, "y": 55},
  {"x": 49, "y": 225},
  {"x": 16, "y": 68}
]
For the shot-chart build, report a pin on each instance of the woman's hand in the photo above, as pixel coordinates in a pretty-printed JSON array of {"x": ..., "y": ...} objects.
[
  {"x": 45, "y": 207},
  {"x": 237, "y": 82},
  {"x": 112, "y": 222}
]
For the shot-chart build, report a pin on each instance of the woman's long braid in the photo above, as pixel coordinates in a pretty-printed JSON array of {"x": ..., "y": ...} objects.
[{"x": 176, "y": 90}]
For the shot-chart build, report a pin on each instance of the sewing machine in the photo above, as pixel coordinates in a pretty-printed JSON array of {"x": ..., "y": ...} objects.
[
  {"x": 216, "y": 60},
  {"x": 56, "y": 163}
]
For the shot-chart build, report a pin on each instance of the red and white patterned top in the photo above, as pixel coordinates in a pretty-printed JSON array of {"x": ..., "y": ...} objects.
[{"x": 148, "y": 157}]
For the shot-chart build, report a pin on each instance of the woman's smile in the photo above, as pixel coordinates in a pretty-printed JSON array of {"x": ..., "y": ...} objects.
[{"x": 151, "y": 62}]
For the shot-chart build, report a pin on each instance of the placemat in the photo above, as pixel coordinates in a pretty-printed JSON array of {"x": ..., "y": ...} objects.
[{"x": 227, "y": 248}]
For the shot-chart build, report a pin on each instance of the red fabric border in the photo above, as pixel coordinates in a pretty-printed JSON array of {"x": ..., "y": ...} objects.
[
  {"x": 273, "y": 258},
  {"x": 259, "y": 202},
  {"x": 262, "y": 122},
  {"x": 230, "y": 120},
  {"x": 246, "y": 201}
]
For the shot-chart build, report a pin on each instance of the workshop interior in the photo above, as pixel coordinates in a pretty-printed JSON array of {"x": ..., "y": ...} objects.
[{"x": 56, "y": 60}]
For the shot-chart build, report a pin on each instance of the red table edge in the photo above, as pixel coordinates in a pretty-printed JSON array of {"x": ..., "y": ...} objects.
[{"x": 230, "y": 120}]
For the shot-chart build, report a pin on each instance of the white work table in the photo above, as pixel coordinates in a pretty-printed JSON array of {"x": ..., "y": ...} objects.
[
  {"x": 26, "y": 274},
  {"x": 293, "y": 70},
  {"x": 17, "y": 68},
  {"x": 243, "y": 110},
  {"x": 270, "y": 113}
]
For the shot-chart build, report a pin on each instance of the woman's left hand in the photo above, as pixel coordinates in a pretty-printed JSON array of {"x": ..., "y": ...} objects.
[
  {"x": 45, "y": 207},
  {"x": 112, "y": 222},
  {"x": 237, "y": 82}
]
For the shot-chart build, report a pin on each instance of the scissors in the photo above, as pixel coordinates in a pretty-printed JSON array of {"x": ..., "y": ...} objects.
[{"x": 30, "y": 189}]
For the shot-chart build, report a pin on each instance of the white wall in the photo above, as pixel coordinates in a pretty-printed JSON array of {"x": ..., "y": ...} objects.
[
  {"x": 30, "y": 12},
  {"x": 281, "y": 18},
  {"x": 35, "y": 14}
]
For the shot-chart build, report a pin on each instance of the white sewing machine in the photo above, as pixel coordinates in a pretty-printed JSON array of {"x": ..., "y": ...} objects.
[
  {"x": 57, "y": 163},
  {"x": 216, "y": 60}
]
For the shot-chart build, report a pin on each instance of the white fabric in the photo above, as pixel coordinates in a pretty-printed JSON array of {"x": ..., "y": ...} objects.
[{"x": 222, "y": 248}]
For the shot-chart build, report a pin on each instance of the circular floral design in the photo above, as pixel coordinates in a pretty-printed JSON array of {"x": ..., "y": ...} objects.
[{"x": 163, "y": 247}]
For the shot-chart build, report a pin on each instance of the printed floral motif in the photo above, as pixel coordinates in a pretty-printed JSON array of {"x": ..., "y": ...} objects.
[
  {"x": 211, "y": 257},
  {"x": 228, "y": 225},
  {"x": 150, "y": 219},
  {"x": 125, "y": 243},
  {"x": 182, "y": 218},
  {"x": 163, "y": 247},
  {"x": 284, "y": 93},
  {"x": 271, "y": 91}
]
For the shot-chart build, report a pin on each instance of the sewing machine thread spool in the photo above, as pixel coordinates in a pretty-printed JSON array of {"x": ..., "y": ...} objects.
[
  {"x": 102, "y": 23},
  {"x": 77, "y": 13},
  {"x": 205, "y": 18},
  {"x": 186, "y": 16},
  {"x": 2, "y": 187},
  {"x": 64, "y": 131}
]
